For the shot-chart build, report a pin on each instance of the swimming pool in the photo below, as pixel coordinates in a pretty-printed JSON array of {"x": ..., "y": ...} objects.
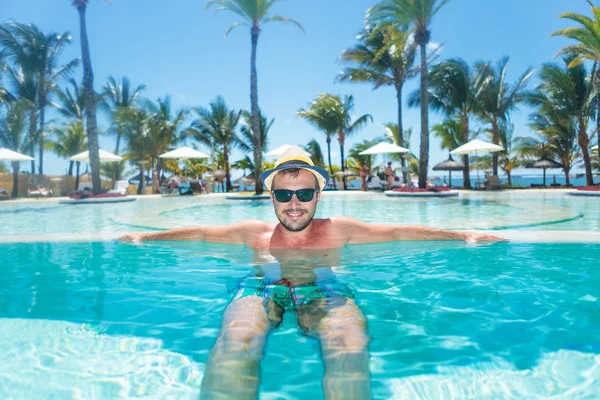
[
  {"x": 549, "y": 210},
  {"x": 82, "y": 319}
]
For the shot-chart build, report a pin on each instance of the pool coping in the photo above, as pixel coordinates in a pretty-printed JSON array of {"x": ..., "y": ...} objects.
[{"x": 513, "y": 235}]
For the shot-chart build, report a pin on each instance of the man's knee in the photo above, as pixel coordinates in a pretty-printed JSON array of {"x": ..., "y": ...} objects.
[{"x": 245, "y": 325}]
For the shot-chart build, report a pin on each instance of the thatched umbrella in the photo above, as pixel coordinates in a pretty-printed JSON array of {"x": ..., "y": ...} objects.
[
  {"x": 449, "y": 165},
  {"x": 544, "y": 163}
]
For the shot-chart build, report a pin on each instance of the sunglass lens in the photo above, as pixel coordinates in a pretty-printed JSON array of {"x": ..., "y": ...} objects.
[
  {"x": 305, "y": 195},
  {"x": 283, "y": 196}
]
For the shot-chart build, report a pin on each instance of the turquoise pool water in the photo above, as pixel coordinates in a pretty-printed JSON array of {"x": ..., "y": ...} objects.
[
  {"x": 447, "y": 320},
  {"x": 501, "y": 210},
  {"x": 82, "y": 316}
]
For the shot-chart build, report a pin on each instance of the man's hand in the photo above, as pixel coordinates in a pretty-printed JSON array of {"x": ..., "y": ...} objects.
[
  {"x": 133, "y": 237},
  {"x": 472, "y": 237}
]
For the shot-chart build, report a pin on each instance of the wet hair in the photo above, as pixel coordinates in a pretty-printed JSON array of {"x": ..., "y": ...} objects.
[{"x": 294, "y": 172}]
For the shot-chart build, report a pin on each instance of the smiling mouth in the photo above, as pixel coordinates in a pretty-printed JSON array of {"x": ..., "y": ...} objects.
[{"x": 294, "y": 214}]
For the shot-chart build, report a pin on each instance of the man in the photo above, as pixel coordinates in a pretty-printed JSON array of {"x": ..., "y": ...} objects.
[{"x": 301, "y": 280}]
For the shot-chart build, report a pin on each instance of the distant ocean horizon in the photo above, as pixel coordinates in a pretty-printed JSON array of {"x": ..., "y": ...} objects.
[{"x": 525, "y": 180}]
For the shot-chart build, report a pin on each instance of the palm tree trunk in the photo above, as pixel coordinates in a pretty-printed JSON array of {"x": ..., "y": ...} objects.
[
  {"x": 77, "y": 164},
  {"x": 597, "y": 81},
  {"x": 142, "y": 184},
  {"x": 400, "y": 133},
  {"x": 226, "y": 162},
  {"x": 465, "y": 127},
  {"x": 509, "y": 179},
  {"x": 584, "y": 142},
  {"x": 90, "y": 100},
  {"x": 42, "y": 111},
  {"x": 117, "y": 174},
  {"x": 567, "y": 181},
  {"x": 424, "y": 153},
  {"x": 71, "y": 168},
  {"x": 15, "y": 189},
  {"x": 343, "y": 164},
  {"x": 495, "y": 140},
  {"x": 256, "y": 139},
  {"x": 329, "y": 159},
  {"x": 32, "y": 129}
]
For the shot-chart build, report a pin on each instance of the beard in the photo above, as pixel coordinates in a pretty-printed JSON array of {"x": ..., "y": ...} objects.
[{"x": 298, "y": 224}]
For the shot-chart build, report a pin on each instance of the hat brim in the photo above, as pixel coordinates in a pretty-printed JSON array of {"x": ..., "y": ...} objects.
[{"x": 320, "y": 173}]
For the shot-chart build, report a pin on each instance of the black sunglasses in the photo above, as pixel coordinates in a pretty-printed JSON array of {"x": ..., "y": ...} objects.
[{"x": 303, "y": 195}]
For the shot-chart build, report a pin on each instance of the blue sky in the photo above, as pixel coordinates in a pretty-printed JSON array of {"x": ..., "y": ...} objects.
[{"x": 178, "y": 48}]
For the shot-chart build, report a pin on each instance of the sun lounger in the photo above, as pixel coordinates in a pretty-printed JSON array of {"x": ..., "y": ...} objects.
[
  {"x": 493, "y": 183},
  {"x": 39, "y": 192},
  {"x": 120, "y": 188},
  {"x": 375, "y": 183},
  {"x": 83, "y": 186}
]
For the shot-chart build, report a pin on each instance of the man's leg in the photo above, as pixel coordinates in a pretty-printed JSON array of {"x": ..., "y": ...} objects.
[
  {"x": 340, "y": 327},
  {"x": 232, "y": 369}
]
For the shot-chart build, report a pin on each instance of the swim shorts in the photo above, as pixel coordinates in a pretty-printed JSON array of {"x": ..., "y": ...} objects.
[{"x": 288, "y": 297}]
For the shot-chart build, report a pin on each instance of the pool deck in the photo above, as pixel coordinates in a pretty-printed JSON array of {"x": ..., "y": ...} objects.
[
  {"x": 324, "y": 194},
  {"x": 515, "y": 236}
]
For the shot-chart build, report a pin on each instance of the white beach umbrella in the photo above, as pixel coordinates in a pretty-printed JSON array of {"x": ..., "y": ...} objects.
[
  {"x": 184, "y": 153},
  {"x": 594, "y": 148},
  {"x": 282, "y": 149},
  {"x": 105, "y": 156},
  {"x": 476, "y": 146},
  {"x": 9, "y": 155},
  {"x": 384, "y": 148}
]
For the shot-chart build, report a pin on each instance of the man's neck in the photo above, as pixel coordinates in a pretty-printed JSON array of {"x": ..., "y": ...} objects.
[{"x": 294, "y": 235}]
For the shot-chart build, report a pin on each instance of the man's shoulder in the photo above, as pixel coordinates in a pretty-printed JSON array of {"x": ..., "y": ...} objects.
[
  {"x": 343, "y": 221},
  {"x": 255, "y": 224}
]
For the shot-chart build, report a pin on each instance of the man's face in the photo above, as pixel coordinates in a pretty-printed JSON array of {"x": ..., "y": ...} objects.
[{"x": 295, "y": 215}]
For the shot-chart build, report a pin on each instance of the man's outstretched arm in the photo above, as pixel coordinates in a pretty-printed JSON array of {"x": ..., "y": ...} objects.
[
  {"x": 363, "y": 232},
  {"x": 236, "y": 233}
]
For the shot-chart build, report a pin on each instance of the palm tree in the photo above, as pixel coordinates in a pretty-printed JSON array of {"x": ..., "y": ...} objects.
[
  {"x": 451, "y": 134},
  {"x": 499, "y": 99},
  {"x": 164, "y": 128},
  {"x": 332, "y": 114},
  {"x": 135, "y": 123},
  {"x": 508, "y": 159},
  {"x": 360, "y": 160},
  {"x": 255, "y": 14},
  {"x": 316, "y": 154},
  {"x": 68, "y": 141},
  {"x": 90, "y": 96},
  {"x": 455, "y": 89},
  {"x": 571, "y": 90},
  {"x": 37, "y": 53},
  {"x": 71, "y": 102},
  {"x": 556, "y": 138},
  {"x": 391, "y": 134},
  {"x": 417, "y": 14},
  {"x": 384, "y": 57},
  {"x": 587, "y": 34},
  {"x": 13, "y": 128},
  {"x": 244, "y": 164},
  {"x": 317, "y": 115},
  {"x": 216, "y": 126},
  {"x": 119, "y": 95},
  {"x": 246, "y": 143},
  {"x": 25, "y": 89}
]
